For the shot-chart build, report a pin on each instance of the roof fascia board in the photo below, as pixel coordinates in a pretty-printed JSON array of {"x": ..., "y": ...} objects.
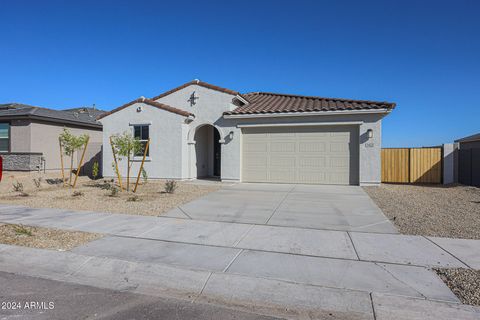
[
  {"x": 307, "y": 124},
  {"x": 304, "y": 114},
  {"x": 52, "y": 120}
]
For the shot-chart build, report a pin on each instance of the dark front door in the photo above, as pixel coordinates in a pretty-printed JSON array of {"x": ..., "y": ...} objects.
[{"x": 217, "y": 154}]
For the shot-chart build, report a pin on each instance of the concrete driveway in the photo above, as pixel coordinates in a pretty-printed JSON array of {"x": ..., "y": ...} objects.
[{"x": 346, "y": 208}]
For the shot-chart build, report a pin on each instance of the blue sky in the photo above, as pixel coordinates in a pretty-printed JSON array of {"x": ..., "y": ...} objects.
[{"x": 423, "y": 55}]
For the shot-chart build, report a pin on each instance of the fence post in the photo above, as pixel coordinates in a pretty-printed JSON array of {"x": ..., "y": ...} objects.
[{"x": 448, "y": 163}]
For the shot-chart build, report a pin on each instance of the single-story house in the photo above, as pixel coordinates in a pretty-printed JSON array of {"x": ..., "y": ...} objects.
[
  {"x": 201, "y": 130},
  {"x": 29, "y": 135}
]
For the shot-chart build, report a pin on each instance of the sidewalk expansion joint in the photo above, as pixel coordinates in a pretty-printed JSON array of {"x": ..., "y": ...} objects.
[
  {"x": 428, "y": 239},
  {"x": 233, "y": 260},
  {"x": 183, "y": 211},
  {"x": 353, "y": 245},
  {"x": 280, "y": 203}
]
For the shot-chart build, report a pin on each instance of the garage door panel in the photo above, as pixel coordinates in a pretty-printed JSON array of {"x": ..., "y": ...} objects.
[
  {"x": 283, "y": 162},
  {"x": 312, "y": 177},
  {"x": 316, "y": 155},
  {"x": 339, "y": 147},
  {"x": 253, "y": 161},
  {"x": 281, "y": 176},
  {"x": 312, "y": 146},
  {"x": 256, "y": 147},
  {"x": 282, "y": 146},
  {"x": 311, "y": 162}
]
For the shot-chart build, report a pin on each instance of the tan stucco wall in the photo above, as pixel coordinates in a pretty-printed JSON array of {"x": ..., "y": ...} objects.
[
  {"x": 20, "y": 136},
  {"x": 44, "y": 138}
]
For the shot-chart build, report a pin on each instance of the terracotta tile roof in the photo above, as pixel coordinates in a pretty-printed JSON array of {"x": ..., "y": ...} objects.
[
  {"x": 151, "y": 103},
  {"x": 265, "y": 102},
  {"x": 202, "y": 84}
]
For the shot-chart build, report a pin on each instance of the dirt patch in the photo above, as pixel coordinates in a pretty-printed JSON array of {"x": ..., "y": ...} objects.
[
  {"x": 90, "y": 195},
  {"x": 44, "y": 238},
  {"x": 465, "y": 283},
  {"x": 443, "y": 211}
]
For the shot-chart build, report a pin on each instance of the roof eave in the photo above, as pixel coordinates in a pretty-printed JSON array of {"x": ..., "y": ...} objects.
[
  {"x": 53, "y": 120},
  {"x": 302, "y": 114}
]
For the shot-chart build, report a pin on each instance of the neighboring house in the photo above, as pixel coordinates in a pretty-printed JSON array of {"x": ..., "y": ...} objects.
[
  {"x": 29, "y": 135},
  {"x": 467, "y": 160},
  {"x": 469, "y": 142},
  {"x": 200, "y": 130}
]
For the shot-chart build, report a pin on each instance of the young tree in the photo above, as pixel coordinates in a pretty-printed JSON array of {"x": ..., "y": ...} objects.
[
  {"x": 125, "y": 145},
  {"x": 71, "y": 143}
]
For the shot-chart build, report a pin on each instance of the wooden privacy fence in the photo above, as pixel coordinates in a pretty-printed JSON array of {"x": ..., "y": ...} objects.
[{"x": 412, "y": 165}]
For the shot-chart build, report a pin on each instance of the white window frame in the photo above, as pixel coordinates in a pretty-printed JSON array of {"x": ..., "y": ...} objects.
[{"x": 133, "y": 125}]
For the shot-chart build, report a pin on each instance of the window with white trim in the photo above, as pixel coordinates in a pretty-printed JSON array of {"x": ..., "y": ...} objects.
[
  {"x": 142, "y": 133},
  {"x": 4, "y": 137}
]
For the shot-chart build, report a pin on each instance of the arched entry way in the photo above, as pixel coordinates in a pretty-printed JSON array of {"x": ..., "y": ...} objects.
[{"x": 208, "y": 155}]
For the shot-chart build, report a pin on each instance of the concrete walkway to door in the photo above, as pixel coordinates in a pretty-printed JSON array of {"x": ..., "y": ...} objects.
[{"x": 346, "y": 208}]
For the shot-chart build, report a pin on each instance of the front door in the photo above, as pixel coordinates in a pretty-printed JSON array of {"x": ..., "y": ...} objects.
[{"x": 217, "y": 155}]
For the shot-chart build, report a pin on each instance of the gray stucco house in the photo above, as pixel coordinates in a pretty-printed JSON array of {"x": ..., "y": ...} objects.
[
  {"x": 29, "y": 135},
  {"x": 201, "y": 130}
]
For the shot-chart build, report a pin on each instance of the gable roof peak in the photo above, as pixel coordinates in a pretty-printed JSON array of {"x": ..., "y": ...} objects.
[{"x": 202, "y": 84}]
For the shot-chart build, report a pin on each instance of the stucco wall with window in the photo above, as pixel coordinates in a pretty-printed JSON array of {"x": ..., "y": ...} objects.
[{"x": 166, "y": 136}]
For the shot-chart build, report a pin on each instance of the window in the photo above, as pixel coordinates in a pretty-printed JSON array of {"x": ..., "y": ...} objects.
[
  {"x": 142, "y": 133},
  {"x": 4, "y": 137}
]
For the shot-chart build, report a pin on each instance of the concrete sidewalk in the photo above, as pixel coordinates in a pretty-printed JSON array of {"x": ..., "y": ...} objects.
[
  {"x": 264, "y": 264},
  {"x": 264, "y": 296}
]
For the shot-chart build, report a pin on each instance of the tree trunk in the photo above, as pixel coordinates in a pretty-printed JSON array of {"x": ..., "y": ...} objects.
[
  {"x": 71, "y": 169},
  {"x": 128, "y": 172}
]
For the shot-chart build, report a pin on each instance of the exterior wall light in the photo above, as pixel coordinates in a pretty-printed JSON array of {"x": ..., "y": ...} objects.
[
  {"x": 370, "y": 133},
  {"x": 230, "y": 135}
]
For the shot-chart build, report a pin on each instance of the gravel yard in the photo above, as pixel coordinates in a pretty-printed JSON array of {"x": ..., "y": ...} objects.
[
  {"x": 43, "y": 238},
  {"x": 90, "y": 195},
  {"x": 465, "y": 283},
  {"x": 435, "y": 210}
]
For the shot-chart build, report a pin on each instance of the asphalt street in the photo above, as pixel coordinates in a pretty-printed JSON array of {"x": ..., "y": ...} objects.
[{"x": 37, "y": 298}]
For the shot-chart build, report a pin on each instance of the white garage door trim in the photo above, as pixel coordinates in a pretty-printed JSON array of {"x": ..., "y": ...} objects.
[{"x": 301, "y": 154}]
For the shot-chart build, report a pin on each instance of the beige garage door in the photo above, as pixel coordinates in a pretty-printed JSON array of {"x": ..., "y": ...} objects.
[{"x": 315, "y": 155}]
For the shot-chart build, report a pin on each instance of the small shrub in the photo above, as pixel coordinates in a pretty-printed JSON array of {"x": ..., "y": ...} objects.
[
  {"x": 18, "y": 186},
  {"x": 77, "y": 193},
  {"x": 144, "y": 176},
  {"x": 134, "y": 198},
  {"x": 95, "y": 170},
  {"x": 37, "y": 182},
  {"x": 113, "y": 190},
  {"x": 21, "y": 230},
  {"x": 170, "y": 186},
  {"x": 54, "y": 181}
]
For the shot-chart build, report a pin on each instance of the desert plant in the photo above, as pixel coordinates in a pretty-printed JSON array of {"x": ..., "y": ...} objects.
[
  {"x": 133, "y": 198},
  {"x": 77, "y": 194},
  {"x": 54, "y": 181},
  {"x": 21, "y": 230},
  {"x": 170, "y": 186},
  {"x": 95, "y": 170},
  {"x": 71, "y": 143},
  {"x": 126, "y": 145},
  {"x": 144, "y": 176},
  {"x": 113, "y": 190},
  {"x": 37, "y": 182},
  {"x": 17, "y": 186}
]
